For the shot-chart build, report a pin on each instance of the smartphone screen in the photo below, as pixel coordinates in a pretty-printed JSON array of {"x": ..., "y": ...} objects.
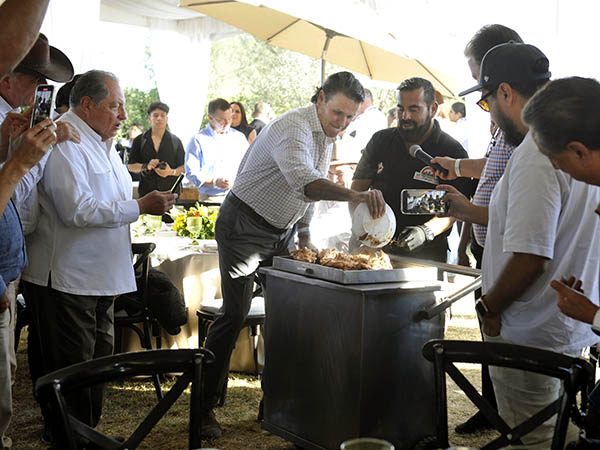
[
  {"x": 42, "y": 105},
  {"x": 422, "y": 201},
  {"x": 177, "y": 183}
]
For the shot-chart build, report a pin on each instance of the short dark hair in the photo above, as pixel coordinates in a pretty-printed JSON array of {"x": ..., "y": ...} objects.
[
  {"x": 563, "y": 111},
  {"x": 218, "y": 103},
  {"x": 244, "y": 121},
  {"x": 459, "y": 108},
  {"x": 92, "y": 84},
  {"x": 412, "y": 84},
  {"x": 158, "y": 105},
  {"x": 488, "y": 37},
  {"x": 342, "y": 82},
  {"x": 63, "y": 94}
]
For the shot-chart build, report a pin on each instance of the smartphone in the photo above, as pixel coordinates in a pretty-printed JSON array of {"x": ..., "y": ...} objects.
[
  {"x": 177, "y": 183},
  {"x": 42, "y": 105},
  {"x": 422, "y": 201}
]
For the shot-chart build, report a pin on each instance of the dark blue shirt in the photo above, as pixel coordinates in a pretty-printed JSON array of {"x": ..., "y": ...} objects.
[{"x": 13, "y": 258}]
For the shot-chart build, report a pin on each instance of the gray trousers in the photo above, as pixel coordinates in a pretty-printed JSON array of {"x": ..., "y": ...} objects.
[
  {"x": 245, "y": 241},
  {"x": 73, "y": 329}
]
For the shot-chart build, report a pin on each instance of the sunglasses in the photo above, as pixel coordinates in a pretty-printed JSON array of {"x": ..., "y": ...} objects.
[{"x": 483, "y": 103}]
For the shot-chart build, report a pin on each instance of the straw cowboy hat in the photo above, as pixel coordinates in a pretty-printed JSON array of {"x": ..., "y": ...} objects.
[{"x": 46, "y": 61}]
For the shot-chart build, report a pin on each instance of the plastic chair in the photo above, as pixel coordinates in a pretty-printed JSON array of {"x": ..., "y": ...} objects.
[
  {"x": 54, "y": 386},
  {"x": 139, "y": 318},
  {"x": 576, "y": 374}
]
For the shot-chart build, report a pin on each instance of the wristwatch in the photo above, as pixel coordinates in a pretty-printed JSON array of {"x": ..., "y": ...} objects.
[
  {"x": 596, "y": 322},
  {"x": 482, "y": 309}
]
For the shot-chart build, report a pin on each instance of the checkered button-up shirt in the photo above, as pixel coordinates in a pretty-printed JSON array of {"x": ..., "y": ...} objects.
[
  {"x": 498, "y": 155},
  {"x": 291, "y": 152}
]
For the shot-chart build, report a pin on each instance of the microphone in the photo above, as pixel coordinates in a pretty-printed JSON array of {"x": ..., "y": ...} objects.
[{"x": 417, "y": 152}]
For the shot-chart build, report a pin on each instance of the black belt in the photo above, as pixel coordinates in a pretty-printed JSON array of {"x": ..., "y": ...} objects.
[{"x": 231, "y": 197}]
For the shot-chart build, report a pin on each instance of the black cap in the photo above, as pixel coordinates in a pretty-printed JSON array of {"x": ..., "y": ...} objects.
[{"x": 511, "y": 63}]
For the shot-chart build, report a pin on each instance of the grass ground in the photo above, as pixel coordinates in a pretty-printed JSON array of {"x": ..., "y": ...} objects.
[{"x": 127, "y": 403}]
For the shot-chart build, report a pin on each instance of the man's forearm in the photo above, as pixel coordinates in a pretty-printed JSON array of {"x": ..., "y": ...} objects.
[
  {"x": 10, "y": 174},
  {"x": 440, "y": 224},
  {"x": 472, "y": 168},
  {"x": 326, "y": 190},
  {"x": 520, "y": 272},
  {"x": 20, "y": 22}
]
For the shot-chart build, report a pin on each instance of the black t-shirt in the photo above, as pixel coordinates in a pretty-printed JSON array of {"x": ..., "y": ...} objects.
[
  {"x": 170, "y": 150},
  {"x": 387, "y": 163},
  {"x": 258, "y": 125}
]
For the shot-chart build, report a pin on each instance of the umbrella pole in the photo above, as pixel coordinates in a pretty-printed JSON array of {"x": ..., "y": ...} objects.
[{"x": 329, "y": 34}]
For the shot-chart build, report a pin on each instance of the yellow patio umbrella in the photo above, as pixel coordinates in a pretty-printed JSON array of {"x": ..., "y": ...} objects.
[{"x": 339, "y": 31}]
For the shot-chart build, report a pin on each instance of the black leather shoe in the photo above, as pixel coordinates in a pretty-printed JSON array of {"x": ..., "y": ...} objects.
[
  {"x": 210, "y": 427},
  {"x": 476, "y": 423}
]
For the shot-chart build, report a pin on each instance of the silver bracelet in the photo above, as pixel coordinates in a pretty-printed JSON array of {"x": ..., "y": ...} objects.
[
  {"x": 303, "y": 231},
  {"x": 457, "y": 167}
]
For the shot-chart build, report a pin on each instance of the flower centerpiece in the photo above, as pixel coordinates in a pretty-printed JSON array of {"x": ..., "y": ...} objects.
[{"x": 198, "y": 222}]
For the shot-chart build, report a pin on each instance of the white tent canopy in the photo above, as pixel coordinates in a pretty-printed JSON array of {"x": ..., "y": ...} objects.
[{"x": 179, "y": 42}]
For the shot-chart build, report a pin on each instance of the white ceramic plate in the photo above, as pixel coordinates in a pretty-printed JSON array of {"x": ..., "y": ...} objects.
[{"x": 374, "y": 233}]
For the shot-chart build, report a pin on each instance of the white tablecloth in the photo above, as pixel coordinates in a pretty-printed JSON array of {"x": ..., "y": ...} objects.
[{"x": 194, "y": 270}]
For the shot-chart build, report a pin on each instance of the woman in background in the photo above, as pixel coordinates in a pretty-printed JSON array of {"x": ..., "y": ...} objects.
[{"x": 240, "y": 123}]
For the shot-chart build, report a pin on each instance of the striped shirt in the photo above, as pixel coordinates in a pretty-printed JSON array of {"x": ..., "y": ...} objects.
[
  {"x": 289, "y": 153},
  {"x": 499, "y": 152}
]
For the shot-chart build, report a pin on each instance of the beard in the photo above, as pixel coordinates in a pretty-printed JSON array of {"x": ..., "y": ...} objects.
[
  {"x": 512, "y": 135},
  {"x": 415, "y": 134}
]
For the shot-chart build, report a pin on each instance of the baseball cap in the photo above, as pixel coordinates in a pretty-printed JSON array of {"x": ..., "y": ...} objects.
[{"x": 511, "y": 62}]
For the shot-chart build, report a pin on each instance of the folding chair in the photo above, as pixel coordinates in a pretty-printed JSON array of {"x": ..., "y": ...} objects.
[
  {"x": 55, "y": 386},
  {"x": 577, "y": 376}
]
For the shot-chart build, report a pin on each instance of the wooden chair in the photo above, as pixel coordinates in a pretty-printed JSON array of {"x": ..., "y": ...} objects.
[
  {"x": 54, "y": 386},
  {"x": 576, "y": 374},
  {"x": 139, "y": 318}
]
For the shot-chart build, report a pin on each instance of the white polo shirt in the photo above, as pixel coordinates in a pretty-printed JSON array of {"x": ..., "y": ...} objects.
[
  {"x": 538, "y": 210},
  {"x": 86, "y": 206}
]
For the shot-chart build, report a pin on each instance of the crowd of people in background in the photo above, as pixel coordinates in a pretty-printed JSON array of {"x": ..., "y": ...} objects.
[{"x": 529, "y": 207}]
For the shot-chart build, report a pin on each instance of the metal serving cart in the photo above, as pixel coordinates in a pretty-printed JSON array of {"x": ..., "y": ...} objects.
[{"x": 343, "y": 352}]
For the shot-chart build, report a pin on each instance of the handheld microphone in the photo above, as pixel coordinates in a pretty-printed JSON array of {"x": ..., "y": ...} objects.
[{"x": 417, "y": 152}]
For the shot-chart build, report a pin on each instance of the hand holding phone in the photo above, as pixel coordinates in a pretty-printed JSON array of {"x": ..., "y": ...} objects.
[
  {"x": 423, "y": 202},
  {"x": 42, "y": 105}
]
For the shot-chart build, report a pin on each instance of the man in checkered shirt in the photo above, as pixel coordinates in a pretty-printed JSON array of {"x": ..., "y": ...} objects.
[{"x": 280, "y": 177}]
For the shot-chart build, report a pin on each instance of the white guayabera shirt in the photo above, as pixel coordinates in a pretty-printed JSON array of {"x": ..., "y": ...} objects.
[{"x": 82, "y": 238}]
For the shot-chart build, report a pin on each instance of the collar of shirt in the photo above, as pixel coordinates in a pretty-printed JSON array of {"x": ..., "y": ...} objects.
[
  {"x": 83, "y": 127},
  {"x": 5, "y": 108}
]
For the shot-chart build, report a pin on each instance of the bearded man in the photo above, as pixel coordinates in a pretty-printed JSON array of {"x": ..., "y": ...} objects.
[{"x": 386, "y": 165}]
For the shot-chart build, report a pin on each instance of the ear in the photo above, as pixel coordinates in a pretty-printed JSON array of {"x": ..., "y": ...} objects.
[
  {"x": 86, "y": 104},
  {"x": 434, "y": 107},
  {"x": 505, "y": 94},
  {"x": 321, "y": 98},
  {"x": 580, "y": 151}
]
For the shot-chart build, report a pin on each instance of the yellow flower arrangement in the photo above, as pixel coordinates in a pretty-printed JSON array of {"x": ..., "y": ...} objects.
[{"x": 209, "y": 218}]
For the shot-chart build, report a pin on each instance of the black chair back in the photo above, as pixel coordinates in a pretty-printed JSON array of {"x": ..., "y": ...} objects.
[
  {"x": 54, "y": 386},
  {"x": 576, "y": 374}
]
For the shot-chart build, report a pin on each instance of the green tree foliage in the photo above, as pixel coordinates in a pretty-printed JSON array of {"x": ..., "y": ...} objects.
[
  {"x": 248, "y": 70},
  {"x": 136, "y": 103}
]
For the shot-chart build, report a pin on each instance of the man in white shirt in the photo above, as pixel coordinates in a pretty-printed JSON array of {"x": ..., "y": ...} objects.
[
  {"x": 212, "y": 157},
  {"x": 279, "y": 179},
  {"x": 540, "y": 227},
  {"x": 80, "y": 254},
  {"x": 570, "y": 140}
]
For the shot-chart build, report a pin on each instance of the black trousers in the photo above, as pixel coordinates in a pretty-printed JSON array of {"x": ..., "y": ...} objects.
[
  {"x": 487, "y": 388},
  {"x": 246, "y": 241},
  {"x": 72, "y": 329}
]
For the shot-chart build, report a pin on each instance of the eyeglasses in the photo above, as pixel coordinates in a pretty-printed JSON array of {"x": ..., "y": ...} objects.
[{"x": 483, "y": 103}]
